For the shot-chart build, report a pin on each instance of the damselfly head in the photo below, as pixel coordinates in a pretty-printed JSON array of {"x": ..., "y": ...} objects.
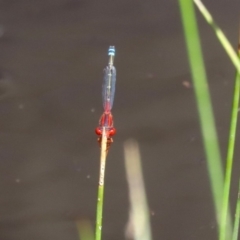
[{"x": 110, "y": 132}]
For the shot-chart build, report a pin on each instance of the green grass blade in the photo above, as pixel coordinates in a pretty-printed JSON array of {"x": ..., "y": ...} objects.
[
  {"x": 237, "y": 217},
  {"x": 99, "y": 212},
  {"x": 220, "y": 35},
  {"x": 209, "y": 134},
  {"x": 230, "y": 154},
  {"x": 237, "y": 213},
  {"x": 234, "y": 116},
  {"x": 101, "y": 186}
]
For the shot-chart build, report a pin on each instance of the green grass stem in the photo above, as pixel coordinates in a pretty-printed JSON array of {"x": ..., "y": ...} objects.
[
  {"x": 205, "y": 110},
  {"x": 101, "y": 186},
  {"x": 220, "y": 35},
  {"x": 237, "y": 217},
  {"x": 234, "y": 116},
  {"x": 230, "y": 154}
]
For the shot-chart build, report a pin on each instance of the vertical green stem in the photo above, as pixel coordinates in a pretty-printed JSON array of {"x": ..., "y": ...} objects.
[
  {"x": 101, "y": 186},
  {"x": 237, "y": 217},
  {"x": 220, "y": 35},
  {"x": 99, "y": 212},
  {"x": 230, "y": 153},
  {"x": 203, "y": 99},
  {"x": 234, "y": 116}
]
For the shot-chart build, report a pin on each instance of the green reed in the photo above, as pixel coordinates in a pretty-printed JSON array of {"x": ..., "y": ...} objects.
[
  {"x": 203, "y": 99},
  {"x": 191, "y": 35}
]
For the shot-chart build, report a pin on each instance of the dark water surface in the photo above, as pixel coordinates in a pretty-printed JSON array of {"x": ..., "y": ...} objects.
[{"x": 51, "y": 58}]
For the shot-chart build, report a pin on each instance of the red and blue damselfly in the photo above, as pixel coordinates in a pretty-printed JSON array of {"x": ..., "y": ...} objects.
[{"x": 108, "y": 92}]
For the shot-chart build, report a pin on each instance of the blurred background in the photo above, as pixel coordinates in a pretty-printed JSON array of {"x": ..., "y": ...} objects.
[{"x": 52, "y": 55}]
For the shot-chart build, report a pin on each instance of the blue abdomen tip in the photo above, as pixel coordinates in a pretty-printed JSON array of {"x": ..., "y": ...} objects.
[{"x": 111, "y": 51}]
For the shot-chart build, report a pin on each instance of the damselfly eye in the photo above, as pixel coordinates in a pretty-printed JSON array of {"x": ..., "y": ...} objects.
[
  {"x": 98, "y": 131},
  {"x": 112, "y": 132}
]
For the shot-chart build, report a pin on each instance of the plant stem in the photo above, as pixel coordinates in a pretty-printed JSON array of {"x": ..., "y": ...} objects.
[
  {"x": 234, "y": 116},
  {"x": 220, "y": 35},
  {"x": 237, "y": 213},
  {"x": 230, "y": 154},
  {"x": 207, "y": 122},
  {"x": 237, "y": 217},
  {"x": 101, "y": 186}
]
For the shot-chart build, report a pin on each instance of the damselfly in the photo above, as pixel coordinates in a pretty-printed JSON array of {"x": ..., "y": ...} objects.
[{"x": 108, "y": 92}]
